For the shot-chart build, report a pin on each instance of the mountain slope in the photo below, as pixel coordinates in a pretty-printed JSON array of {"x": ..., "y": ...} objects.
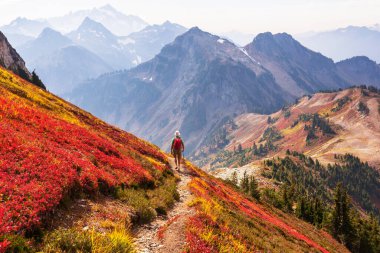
[
  {"x": 192, "y": 85},
  {"x": 228, "y": 221},
  {"x": 360, "y": 70},
  {"x": 53, "y": 154},
  {"x": 46, "y": 43},
  {"x": 345, "y": 43},
  {"x": 295, "y": 68},
  {"x": 346, "y": 122},
  {"x": 65, "y": 68},
  {"x": 50, "y": 149}
]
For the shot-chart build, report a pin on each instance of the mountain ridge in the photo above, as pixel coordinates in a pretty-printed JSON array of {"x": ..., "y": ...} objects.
[
  {"x": 344, "y": 43},
  {"x": 176, "y": 78}
]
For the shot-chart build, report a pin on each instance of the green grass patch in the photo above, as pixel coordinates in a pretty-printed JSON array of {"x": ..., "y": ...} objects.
[{"x": 148, "y": 203}]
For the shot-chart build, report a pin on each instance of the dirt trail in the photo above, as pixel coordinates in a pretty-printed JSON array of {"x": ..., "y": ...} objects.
[{"x": 171, "y": 228}]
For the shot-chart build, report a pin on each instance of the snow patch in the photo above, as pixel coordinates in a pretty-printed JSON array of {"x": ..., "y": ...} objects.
[
  {"x": 221, "y": 41},
  {"x": 250, "y": 57},
  {"x": 137, "y": 61},
  {"x": 97, "y": 34},
  {"x": 126, "y": 41}
]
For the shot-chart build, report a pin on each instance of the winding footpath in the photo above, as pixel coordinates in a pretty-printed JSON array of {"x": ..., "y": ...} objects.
[{"x": 168, "y": 233}]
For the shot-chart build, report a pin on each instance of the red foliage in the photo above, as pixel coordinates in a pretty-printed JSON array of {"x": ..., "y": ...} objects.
[
  {"x": 236, "y": 200},
  {"x": 196, "y": 243},
  {"x": 3, "y": 246},
  {"x": 44, "y": 157}
]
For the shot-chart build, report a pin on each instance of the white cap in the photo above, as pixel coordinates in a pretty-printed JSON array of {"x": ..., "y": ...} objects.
[{"x": 177, "y": 134}]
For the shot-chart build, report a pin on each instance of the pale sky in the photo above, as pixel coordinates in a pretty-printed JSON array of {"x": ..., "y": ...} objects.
[{"x": 217, "y": 16}]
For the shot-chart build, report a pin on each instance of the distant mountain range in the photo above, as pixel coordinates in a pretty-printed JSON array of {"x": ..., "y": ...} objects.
[
  {"x": 96, "y": 38},
  {"x": 90, "y": 49},
  {"x": 115, "y": 21},
  {"x": 192, "y": 85},
  {"x": 201, "y": 81},
  {"x": 127, "y": 51},
  {"x": 345, "y": 43}
]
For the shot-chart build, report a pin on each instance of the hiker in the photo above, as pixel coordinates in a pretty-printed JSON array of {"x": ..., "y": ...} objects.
[{"x": 177, "y": 149}]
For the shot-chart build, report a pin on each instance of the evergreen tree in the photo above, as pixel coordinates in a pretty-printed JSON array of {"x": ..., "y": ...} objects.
[
  {"x": 234, "y": 178},
  {"x": 342, "y": 227},
  {"x": 286, "y": 200},
  {"x": 240, "y": 148},
  {"x": 254, "y": 187},
  {"x": 36, "y": 80},
  {"x": 244, "y": 183},
  {"x": 301, "y": 208},
  {"x": 255, "y": 151}
]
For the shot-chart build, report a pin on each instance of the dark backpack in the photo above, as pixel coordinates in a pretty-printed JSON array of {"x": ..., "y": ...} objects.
[{"x": 177, "y": 145}]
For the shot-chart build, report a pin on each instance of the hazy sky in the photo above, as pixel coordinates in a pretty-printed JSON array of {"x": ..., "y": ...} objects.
[{"x": 248, "y": 16}]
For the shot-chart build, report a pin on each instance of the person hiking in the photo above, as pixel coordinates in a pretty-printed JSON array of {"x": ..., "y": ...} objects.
[{"x": 177, "y": 149}]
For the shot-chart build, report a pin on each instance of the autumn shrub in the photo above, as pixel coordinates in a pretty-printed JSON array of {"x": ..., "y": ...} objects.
[
  {"x": 147, "y": 203},
  {"x": 52, "y": 152},
  {"x": 73, "y": 241},
  {"x": 68, "y": 240},
  {"x": 163, "y": 197},
  {"x": 16, "y": 244}
]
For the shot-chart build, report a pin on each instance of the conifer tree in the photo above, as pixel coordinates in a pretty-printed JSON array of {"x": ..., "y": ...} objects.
[
  {"x": 36, "y": 80},
  {"x": 244, "y": 183},
  {"x": 342, "y": 227},
  {"x": 234, "y": 178},
  {"x": 254, "y": 187}
]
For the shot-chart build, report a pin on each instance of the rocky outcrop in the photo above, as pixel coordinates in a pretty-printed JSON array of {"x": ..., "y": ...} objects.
[{"x": 11, "y": 60}]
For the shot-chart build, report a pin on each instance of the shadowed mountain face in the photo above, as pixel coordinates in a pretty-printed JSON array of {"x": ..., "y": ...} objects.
[
  {"x": 64, "y": 68},
  {"x": 345, "y": 43},
  {"x": 11, "y": 60},
  {"x": 193, "y": 85},
  {"x": 360, "y": 70},
  {"x": 46, "y": 43},
  {"x": 295, "y": 68}
]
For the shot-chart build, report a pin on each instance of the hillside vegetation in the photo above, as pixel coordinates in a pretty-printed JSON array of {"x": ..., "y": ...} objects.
[
  {"x": 320, "y": 126},
  {"x": 72, "y": 183},
  {"x": 52, "y": 152}
]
